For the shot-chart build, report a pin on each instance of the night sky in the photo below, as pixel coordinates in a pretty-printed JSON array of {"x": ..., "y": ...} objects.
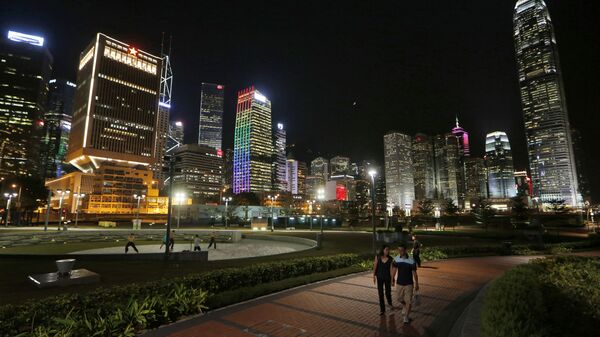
[{"x": 340, "y": 73}]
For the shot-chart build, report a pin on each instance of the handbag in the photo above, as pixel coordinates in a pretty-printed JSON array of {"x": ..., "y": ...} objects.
[{"x": 416, "y": 298}]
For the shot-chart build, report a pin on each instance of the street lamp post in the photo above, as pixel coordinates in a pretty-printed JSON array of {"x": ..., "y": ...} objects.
[
  {"x": 8, "y": 197},
  {"x": 18, "y": 204},
  {"x": 60, "y": 202},
  {"x": 272, "y": 198},
  {"x": 373, "y": 173},
  {"x": 310, "y": 204},
  {"x": 227, "y": 200},
  {"x": 78, "y": 197},
  {"x": 139, "y": 198},
  {"x": 180, "y": 197}
]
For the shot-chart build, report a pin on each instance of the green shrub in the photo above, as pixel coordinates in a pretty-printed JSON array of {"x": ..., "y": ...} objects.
[
  {"x": 430, "y": 254},
  {"x": 123, "y": 310},
  {"x": 555, "y": 296}
]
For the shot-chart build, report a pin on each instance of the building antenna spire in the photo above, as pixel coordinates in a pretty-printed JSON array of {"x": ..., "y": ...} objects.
[
  {"x": 162, "y": 44},
  {"x": 457, "y": 120}
]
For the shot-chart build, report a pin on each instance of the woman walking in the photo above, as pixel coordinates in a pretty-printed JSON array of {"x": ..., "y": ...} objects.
[{"x": 382, "y": 276}]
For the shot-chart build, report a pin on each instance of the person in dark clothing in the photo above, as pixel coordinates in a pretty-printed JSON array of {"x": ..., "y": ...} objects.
[
  {"x": 382, "y": 276},
  {"x": 407, "y": 280},
  {"x": 130, "y": 243},
  {"x": 197, "y": 243},
  {"x": 212, "y": 241},
  {"x": 416, "y": 251},
  {"x": 172, "y": 240}
]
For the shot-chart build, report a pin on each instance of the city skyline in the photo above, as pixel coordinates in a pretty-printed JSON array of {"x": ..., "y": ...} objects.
[{"x": 430, "y": 122}]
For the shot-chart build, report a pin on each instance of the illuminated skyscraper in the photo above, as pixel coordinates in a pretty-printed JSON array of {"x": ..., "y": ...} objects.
[
  {"x": 164, "y": 113},
  {"x": 25, "y": 67},
  {"x": 280, "y": 178},
  {"x": 447, "y": 167},
  {"x": 320, "y": 167},
  {"x": 499, "y": 166},
  {"x": 476, "y": 180},
  {"x": 115, "y": 108},
  {"x": 176, "y": 131},
  {"x": 550, "y": 148},
  {"x": 253, "y": 145},
  {"x": 399, "y": 170},
  {"x": 210, "y": 128},
  {"x": 302, "y": 174},
  {"x": 199, "y": 172},
  {"x": 463, "y": 140},
  {"x": 291, "y": 173},
  {"x": 339, "y": 166},
  {"x": 424, "y": 176},
  {"x": 57, "y": 126}
]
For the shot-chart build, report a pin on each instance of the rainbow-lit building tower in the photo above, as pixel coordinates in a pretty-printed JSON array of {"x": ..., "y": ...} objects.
[{"x": 252, "y": 144}]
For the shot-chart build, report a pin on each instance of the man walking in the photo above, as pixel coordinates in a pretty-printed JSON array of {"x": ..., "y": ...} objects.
[
  {"x": 416, "y": 251},
  {"x": 405, "y": 270},
  {"x": 172, "y": 240},
  {"x": 130, "y": 243},
  {"x": 197, "y": 244},
  {"x": 213, "y": 241}
]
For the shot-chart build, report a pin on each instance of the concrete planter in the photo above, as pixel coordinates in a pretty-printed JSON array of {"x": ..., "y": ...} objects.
[{"x": 65, "y": 266}]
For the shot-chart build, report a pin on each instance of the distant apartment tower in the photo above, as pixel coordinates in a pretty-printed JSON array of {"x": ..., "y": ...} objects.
[
  {"x": 424, "y": 169},
  {"x": 253, "y": 144},
  {"x": 547, "y": 129},
  {"x": 280, "y": 178},
  {"x": 302, "y": 174},
  {"x": 25, "y": 68},
  {"x": 199, "y": 172},
  {"x": 339, "y": 166},
  {"x": 320, "y": 167},
  {"x": 57, "y": 126},
  {"x": 399, "y": 170},
  {"x": 210, "y": 130},
  {"x": 476, "y": 179},
  {"x": 291, "y": 173},
  {"x": 115, "y": 111},
  {"x": 499, "y": 166}
]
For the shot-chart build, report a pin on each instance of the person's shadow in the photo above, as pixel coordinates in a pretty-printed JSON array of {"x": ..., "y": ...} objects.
[{"x": 387, "y": 326}]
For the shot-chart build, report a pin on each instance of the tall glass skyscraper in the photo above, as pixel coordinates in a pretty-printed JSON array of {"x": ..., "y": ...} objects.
[
  {"x": 252, "y": 143},
  {"x": 424, "y": 176},
  {"x": 399, "y": 170},
  {"x": 280, "y": 178},
  {"x": 320, "y": 167},
  {"x": 499, "y": 166},
  {"x": 57, "y": 126},
  {"x": 25, "y": 67},
  {"x": 550, "y": 149},
  {"x": 210, "y": 130}
]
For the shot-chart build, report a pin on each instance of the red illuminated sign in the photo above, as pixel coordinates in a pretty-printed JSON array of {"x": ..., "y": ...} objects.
[
  {"x": 219, "y": 87},
  {"x": 133, "y": 51},
  {"x": 219, "y": 153},
  {"x": 341, "y": 193}
]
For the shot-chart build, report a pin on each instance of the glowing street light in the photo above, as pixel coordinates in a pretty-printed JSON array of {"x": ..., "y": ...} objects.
[
  {"x": 227, "y": 200},
  {"x": 373, "y": 173},
  {"x": 139, "y": 197},
  {"x": 272, "y": 198},
  {"x": 60, "y": 202},
  {"x": 180, "y": 198},
  {"x": 8, "y": 197},
  {"x": 78, "y": 197}
]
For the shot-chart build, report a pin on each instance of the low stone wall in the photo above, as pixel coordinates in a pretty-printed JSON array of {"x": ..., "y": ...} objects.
[
  {"x": 282, "y": 238},
  {"x": 54, "y": 236}
]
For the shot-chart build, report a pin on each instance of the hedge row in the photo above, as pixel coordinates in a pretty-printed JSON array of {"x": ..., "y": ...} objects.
[
  {"x": 555, "y": 296},
  {"x": 123, "y": 310}
]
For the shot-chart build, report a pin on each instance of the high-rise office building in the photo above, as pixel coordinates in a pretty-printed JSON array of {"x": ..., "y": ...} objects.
[
  {"x": 499, "y": 166},
  {"x": 115, "y": 107},
  {"x": 176, "y": 131},
  {"x": 399, "y": 170},
  {"x": 320, "y": 167},
  {"x": 314, "y": 184},
  {"x": 162, "y": 146},
  {"x": 464, "y": 152},
  {"x": 424, "y": 169},
  {"x": 210, "y": 130},
  {"x": 550, "y": 148},
  {"x": 302, "y": 174},
  {"x": 25, "y": 68},
  {"x": 476, "y": 180},
  {"x": 253, "y": 144},
  {"x": 447, "y": 167},
  {"x": 280, "y": 179},
  {"x": 581, "y": 165},
  {"x": 291, "y": 173},
  {"x": 57, "y": 126},
  {"x": 339, "y": 166},
  {"x": 228, "y": 168},
  {"x": 199, "y": 172}
]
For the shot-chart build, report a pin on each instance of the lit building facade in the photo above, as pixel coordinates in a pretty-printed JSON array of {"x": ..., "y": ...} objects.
[
  {"x": 57, "y": 126},
  {"x": 447, "y": 168},
  {"x": 253, "y": 144},
  {"x": 25, "y": 68},
  {"x": 476, "y": 180},
  {"x": 339, "y": 165},
  {"x": 547, "y": 129},
  {"x": 313, "y": 185},
  {"x": 499, "y": 166},
  {"x": 210, "y": 130},
  {"x": 399, "y": 170},
  {"x": 291, "y": 174},
  {"x": 280, "y": 177},
  {"x": 228, "y": 168},
  {"x": 164, "y": 115},
  {"x": 424, "y": 169},
  {"x": 199, "y": 172},
  {"x": 115, "y": 111},
  {"x": 523, "y": 183},
  {"x": 320, "y": 167},
  {"x": 302, "y": 174},
  {"x": 176, "y": 131}
]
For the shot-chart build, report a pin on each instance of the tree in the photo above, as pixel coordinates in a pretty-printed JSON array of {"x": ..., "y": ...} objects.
[
  {"x": 425, "y": 206},
  {"x": 483, "y": 212},
  {"x": 246, "y": 199},
  {"x": 519, "y": 208},
  {"x": 450, "y": 207}
]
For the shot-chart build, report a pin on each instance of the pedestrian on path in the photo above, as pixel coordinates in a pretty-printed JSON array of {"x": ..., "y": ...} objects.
[
  {"x": 197, "y": 243},
  {"x": 172, "y": 240},
  {"x": 130, "y": 243},
  {"x": 382, "y": 276},
  {"x": 213, "y": 241},
  {"x": 405, "y": 271},
  {"x": 416, "y": 251}
]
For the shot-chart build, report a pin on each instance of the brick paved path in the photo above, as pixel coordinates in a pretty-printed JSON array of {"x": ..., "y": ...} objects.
[{"x": 348, "y": 306}]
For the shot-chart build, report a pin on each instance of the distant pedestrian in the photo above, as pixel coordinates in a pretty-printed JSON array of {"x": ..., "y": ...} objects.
[
  {"x": 130, "y": 243},
  {"x": 197, "y": 243},
  {"x": 172, "y": 240},
  {"x": 416, "y": 251},
  {"x": 213, "y": 241},
  {"x": 382, "y": 276},
  {"x": 164, "y": 241},
  {"x": 407, "y": 280}
]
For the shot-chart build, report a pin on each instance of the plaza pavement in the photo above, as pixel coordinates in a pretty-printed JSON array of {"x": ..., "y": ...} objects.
[{"x": 348, "y": 306}]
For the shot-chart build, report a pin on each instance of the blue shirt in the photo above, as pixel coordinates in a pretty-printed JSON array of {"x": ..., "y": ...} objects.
[{"x": 405, "y": 267}]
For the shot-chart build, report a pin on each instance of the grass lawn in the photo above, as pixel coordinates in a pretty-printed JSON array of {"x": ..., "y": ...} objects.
[{"x": 15, "y": 288}]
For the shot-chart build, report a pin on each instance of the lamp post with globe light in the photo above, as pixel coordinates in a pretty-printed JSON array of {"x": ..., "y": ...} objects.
[
  {"x": 373, "y": 173},
  {"x": 226, "y": 200},
  {"x": 62, "y": 194},
  {"x": 272, "y": 198},
  {"x": 8, "y": 197}
]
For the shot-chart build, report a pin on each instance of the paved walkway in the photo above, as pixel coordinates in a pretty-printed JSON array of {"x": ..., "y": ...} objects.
[{"x": 348, "y": 306}]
